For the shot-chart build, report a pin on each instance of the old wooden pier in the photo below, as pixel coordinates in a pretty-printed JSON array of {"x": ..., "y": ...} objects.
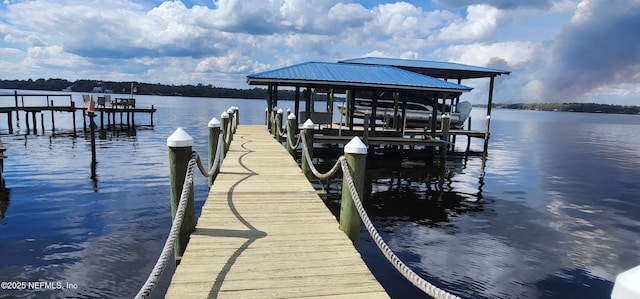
[{"x": 30, "y": 105}]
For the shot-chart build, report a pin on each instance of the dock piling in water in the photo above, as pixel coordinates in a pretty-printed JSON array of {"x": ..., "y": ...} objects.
[
  {"x": 180, "y": 148},
  {"x": 356, "y": 154},
  {"x": 214, "y": 135},
  {"x": 307, "y": 130},
  {"x": 292, "y": 126}
]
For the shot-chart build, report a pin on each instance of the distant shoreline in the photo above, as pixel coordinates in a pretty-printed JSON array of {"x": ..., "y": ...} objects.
[{"x": 572, "y": 107}]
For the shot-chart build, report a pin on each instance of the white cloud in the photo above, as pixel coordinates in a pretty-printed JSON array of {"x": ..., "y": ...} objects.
[
  {"x": 54, "y": 56},
  {"x": 480, "y": 22}
]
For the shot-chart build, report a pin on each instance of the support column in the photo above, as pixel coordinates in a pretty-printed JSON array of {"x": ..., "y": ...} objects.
[
  {"x": 307, "y": 130},
  {"x": 180, "y": 147},
  {"x": 356, "y": 153},
  {"x": 214, "y": 136}
]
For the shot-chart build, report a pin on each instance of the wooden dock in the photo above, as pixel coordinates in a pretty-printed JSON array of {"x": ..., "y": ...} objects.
[{"x": 265, "y": 233}]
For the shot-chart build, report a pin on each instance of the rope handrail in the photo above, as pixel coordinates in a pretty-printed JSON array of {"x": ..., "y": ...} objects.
[
  {"x": 409, "y": 274},
  {"x": 152, "y": 281},
  {"x": 319, "y": 175},
  {"x": 217, "y": 162},
  {"x": 194, "y": 161}
]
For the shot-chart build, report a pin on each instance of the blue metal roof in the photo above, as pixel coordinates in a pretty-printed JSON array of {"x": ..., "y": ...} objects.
[
  {"x": 352, "y": 75},
  {"x": 439, "y": 69}
]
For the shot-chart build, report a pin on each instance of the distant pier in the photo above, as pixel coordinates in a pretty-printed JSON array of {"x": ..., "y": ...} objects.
[{"x": 33, "y": 108}]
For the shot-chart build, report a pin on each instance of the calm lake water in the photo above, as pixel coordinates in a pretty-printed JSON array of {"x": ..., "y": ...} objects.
[{"x": 553, "y": 211}]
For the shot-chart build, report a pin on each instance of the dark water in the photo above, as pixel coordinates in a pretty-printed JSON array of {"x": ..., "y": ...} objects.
[{"x": 552, "y": 212}]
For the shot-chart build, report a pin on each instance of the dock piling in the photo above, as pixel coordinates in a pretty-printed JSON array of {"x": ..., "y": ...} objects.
[
  {"x": 214, "y": 135},
  {"x": 445, "y": 125},
  {"x": 356, "y": 154},
  {"x": 180, "y": 148},
  {"x": 292, "y": 126},
  {"x": 278, "y": 124},
  {"x": 224, "y": 120},
  {"x": 307, "y": 130}
]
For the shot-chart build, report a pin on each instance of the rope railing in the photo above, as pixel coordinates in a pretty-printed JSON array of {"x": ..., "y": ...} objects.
[
  {"x": 409, "y": 274},
  {"x": 194, "y": 161},
  {"x": 161, "y": 263}
]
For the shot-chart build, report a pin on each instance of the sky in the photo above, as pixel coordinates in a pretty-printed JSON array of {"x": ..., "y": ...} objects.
[{"x": 556, "y": 50}]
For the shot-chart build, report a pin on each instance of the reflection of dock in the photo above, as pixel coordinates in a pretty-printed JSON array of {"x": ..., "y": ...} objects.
[{"x": 33, "y": 111}]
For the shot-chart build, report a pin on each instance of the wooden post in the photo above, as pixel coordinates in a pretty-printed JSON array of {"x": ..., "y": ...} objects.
[
  {"x": 356, "y": 153},
  {"x": 307, "y": 130},
  {"x": 26, "y": 121},
  {"x": 231, "y": 123},
  {"x": 42, "y": 121},
  {"x": 236, "y": 110},
  {"x": 365, "y": 133},
  {"x": 446, "y": 123},
  {"x": 224, "y": 119},
  {"x": 274, "y": 121},
  {"x": 292, "y": 126},
  {"x": 73, "y": 116},
  {"x": 35, "y": 123},
  {"x": 84, "y": 120},
  {"x": 279, "y": 124},
  {"x": 15, "y": 94},
  {"x": 53, "y": 120},
  {"x": 214, "y": 135},
  {"x": 152, "y": 115},
  {"x": 266, "y": 118},
  {"x": 486, "y": 133},
  {"x": 180, "y": 148},
  {"x": 10, "y": 121}
]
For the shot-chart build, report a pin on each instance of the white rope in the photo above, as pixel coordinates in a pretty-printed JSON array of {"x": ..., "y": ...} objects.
[
  {"x": 319, "y": 175},
  {"x": 289, "y": 141},
  {"x": 409, "y": 274},
  {"x": 217, "y": 161},
  {"x": 165, "y": 255}
]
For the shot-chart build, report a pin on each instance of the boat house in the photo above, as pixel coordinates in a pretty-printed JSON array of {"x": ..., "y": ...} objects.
[{"x": 380, "y": 91}]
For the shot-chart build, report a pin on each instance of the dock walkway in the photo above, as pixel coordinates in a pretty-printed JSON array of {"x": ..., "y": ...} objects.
[{"x": 265, "y": 233}]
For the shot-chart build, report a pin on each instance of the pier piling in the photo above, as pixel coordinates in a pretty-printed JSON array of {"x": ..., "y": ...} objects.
[
  {"x": 292, "y": 126},
  {"x": 356, "y": 154},
  {"x": 307, "y": 130},
  {"x": 214, "y": 135},
  {"x": 180, "y": 147}
]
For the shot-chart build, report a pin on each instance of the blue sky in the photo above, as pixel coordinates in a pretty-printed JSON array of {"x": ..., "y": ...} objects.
[{"x": 557, "y": 50}]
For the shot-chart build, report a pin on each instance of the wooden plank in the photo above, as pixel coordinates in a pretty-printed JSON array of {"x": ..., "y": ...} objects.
[{"x": 265, "y": 233}]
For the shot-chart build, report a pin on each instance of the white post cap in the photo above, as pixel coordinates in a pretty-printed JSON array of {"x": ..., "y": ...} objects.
[
  {"x": 488, "y": 116},
  {"x": 235, "y": 108},
  {"x": 288, "y": 110},
  {"x": 626, "y": 285},
  {"x": 224, "y": 115},
  {"x": 355, "y": 146},
  {"x": 230, "y": 111},
  {"x": 291, "y": 116},
  {"x": 446, "y": 115},
  {"x": 308, "y": 124},
  {"x": 279, "y": 111},
  {"x": 214, "y": 123},
  {"x": 179, "y": 138}
]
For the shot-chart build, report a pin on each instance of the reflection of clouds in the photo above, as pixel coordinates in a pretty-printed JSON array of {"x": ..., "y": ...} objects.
[
  {"x": 591, "y": 239},
  {"x": 485, "y": 265}
]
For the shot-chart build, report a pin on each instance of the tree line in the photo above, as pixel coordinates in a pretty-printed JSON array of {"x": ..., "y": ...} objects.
[
  {"x": 573, "y": 107},
  {"x": 199, "y": 90}
]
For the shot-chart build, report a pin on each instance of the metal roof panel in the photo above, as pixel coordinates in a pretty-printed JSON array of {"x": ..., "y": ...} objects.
[
  {"x": 432, "y": 68},
  {"x": 345, "y": 74}
]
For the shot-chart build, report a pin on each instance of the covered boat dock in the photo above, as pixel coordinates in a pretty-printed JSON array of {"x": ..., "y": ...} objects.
[{"x": 370, "y": 79}]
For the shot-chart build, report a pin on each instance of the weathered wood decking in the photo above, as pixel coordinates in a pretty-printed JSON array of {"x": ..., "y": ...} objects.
[{"x": 265, "y": 233}]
